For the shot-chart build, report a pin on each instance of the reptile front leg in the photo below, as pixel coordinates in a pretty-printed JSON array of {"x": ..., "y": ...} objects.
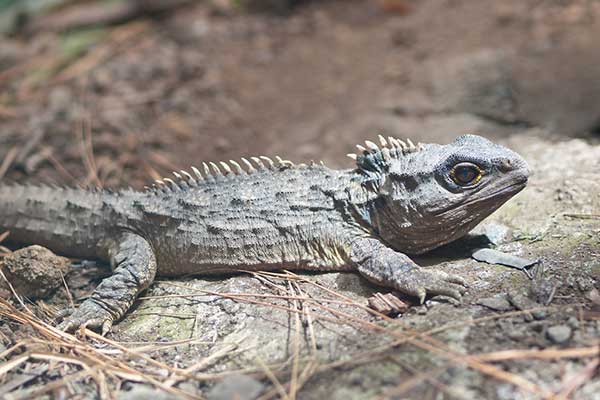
[
  {"x": 386, "y": 267},
  {"x": 134, "y": 270}
]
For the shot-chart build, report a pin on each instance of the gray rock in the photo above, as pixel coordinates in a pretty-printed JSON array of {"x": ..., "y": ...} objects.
[
  {"x": 492, "y": 256},
  {"x": 522, "y": 302},
  {"x": 573, "y": 322},
  {"x": 34, "y": 271},
  {"x": 479, "y": 83},
  {"x": 575, "y": 110},
  {"x": 497, "y": 303},
  {"x": 496, "y": 233},
  {"x": 236, "y": 387},
  {"x": 559, "y": 333},
  {"x": 189, "y": 387},
  {"x": 420, "y": 310},
  {"x": 510, "y": 86},
  {"x": 516, "y": 334}
]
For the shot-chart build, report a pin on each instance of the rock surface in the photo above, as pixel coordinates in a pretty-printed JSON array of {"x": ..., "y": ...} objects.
[
  {"x": 497, "y": 303},
  {"x": 559, "y": 333},
  {"x": 236, "y": 387},
  {"x": 34, "y": 272},
  {"x": 510, "y": 86}
]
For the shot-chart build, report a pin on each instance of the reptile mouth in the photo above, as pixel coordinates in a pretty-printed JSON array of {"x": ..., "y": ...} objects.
[{"x": 502, "y": 195}]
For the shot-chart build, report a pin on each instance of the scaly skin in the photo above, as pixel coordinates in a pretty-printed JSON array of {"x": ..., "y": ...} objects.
[{"x": 399, "y": 200}]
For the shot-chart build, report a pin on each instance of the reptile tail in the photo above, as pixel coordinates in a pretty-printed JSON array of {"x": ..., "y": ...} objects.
[{"x": 67, "y": 221}]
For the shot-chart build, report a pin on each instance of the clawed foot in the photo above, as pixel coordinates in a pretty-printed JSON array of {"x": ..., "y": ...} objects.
[
  {"x": 421, "y": 282},
  {"x": 89, "y": 315}
]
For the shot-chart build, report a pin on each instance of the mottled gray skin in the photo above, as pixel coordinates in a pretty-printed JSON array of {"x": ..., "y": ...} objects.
[{"x": 399, "y": 200}]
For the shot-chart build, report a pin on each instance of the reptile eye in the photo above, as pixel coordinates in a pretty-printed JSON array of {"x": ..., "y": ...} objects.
[{"x": 465, "y": 174}]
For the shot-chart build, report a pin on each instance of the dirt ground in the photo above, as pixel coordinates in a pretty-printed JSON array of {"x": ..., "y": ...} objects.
[{"x": 121, "y": 105}]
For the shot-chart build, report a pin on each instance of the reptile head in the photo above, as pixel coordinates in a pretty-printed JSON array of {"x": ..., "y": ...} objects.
[{"x": 429, "y": 195}]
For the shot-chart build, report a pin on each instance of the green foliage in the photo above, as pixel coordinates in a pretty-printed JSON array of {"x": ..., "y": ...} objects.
[
  {"x": 6, "y": 4},
  {"x": 29, "y": 6},
  {"x": 11, "y": 11},
  {"x": 74, "y": 44}
]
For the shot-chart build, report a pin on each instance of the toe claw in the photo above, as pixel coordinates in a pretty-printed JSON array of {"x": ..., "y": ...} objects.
[
  {"x": 422, "y": 283},
  {"x": 455, "y": 294},
  {"x": 458, "y": 280},
  {"x": 88, "y": 315},
  {"x": 67, "y": 326},
  {"x": 421, "y": 294},
  {"x": 106, "y": 327}
]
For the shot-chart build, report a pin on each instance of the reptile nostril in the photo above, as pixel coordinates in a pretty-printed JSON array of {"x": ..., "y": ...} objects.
[{"x": 505, "y": 165}]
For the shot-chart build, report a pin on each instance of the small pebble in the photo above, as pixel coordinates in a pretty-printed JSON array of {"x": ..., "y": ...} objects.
[
  {"x": 522, "y": 302},
  {"x": 516, "y": 334},
  {"x": 573, "y": 322},
  {"x": 559, "y": 333},
  {"x": 421, "y": 310}
]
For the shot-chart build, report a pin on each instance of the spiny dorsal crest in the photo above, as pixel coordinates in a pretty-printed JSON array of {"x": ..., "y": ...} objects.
[
  {"x": 215, "y": 173},
  {"x": 374, "y": 158}
]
